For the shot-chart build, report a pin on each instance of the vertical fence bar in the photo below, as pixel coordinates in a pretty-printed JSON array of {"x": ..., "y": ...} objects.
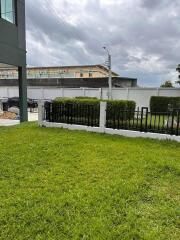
[
  {"x": 159, "y": 120},
  {"x": 155, "y": 117},
  {"x": 172, "y": 123},
  {"x": 150, "y": 124},
  {"x": 146, "y": 120},
  {"x": 178, "y": 122},
  {"x": 71, "y": 114},
  {"x": 133, "y": 119},
  {"x": 141, "y": 126},
  {"x": 137, "y": 119},
  {"x": 61, "y": 112},
  {"x": 167, "y": 124},
  {"x": 122, "y": 118},
  {"x": 118, "y": 118},
  {"x": 88, "y": 113},
  {"x": 51, "y": 112},
  {"x": 163, "y": 122},
  {"x": 129, "y": 118},
  {"x": 81, "y": 114},
  {"x": 92, "y": 115}
]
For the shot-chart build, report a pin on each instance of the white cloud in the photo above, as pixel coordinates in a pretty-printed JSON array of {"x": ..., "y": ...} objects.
[{"x": 143, "y": 35}]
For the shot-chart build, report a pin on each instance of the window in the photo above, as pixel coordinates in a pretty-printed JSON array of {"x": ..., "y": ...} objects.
[
  {"x": 7, "y": 8},
  {"x": 81, "y": 74},
  {"x": 90, "y": 74}
]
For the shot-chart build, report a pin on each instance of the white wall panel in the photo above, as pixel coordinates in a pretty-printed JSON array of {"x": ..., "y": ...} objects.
[{"x": 140, "y": 95}]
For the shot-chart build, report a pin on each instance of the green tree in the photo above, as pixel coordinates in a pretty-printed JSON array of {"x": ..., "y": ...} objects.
[{"x": 167, "y": 84}]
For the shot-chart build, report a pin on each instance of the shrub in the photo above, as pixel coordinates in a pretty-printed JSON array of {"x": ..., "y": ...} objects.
[
  {"x": 85, "y": 97},
  {"x": 160, "y": 104},
  {"x": 121, "y": 104},
  {"x": 111, "y": 104},
  {"x": 121, "y": 109},
  {"x": 76, "y": 110},
  {"x": 76, "y": 101}
]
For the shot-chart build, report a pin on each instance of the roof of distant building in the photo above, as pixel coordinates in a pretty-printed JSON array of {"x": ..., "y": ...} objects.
[{"x": 76, "y": 66}]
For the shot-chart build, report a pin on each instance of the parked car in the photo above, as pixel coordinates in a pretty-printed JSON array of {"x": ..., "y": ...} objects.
[{"x": 14, "y": 102}]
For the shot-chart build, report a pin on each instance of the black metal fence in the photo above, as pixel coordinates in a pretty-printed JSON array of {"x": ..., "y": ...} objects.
[
  {"x": 138, "y": 120},
  {"x": 79, "y": 114},
  {"x": 145, "y": 121}
]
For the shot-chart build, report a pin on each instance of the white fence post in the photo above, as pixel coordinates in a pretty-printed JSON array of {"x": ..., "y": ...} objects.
[
  {"x": 127, "y": 93},
  {"x": 100, "y": 93},
  {"x": 40, "y": 112},
  {"x": 62, "y": 92},
  {"x": 42, "y": 91},
  {"x": 102, "y": 122},
  {"x": 157, "y": 92},
  {"x": 1, "y": 107},
  {"x": 84, "y": 92}
]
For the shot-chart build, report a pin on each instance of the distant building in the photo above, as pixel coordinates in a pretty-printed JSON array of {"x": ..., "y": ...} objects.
[
  {"x": 92, "y": 76},
  {"x": 86, "y": 71}
]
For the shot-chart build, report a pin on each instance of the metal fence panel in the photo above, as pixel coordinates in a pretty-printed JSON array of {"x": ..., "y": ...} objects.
[{"x": 116, "y": 118}]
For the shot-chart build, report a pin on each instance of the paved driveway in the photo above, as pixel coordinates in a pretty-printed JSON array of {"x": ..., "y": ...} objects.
[{"x": 8, "y": 122}]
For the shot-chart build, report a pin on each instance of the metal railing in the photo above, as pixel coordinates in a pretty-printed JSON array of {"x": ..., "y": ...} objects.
[
  {"x": 79, "y": 114},
  {"x": 139, "y": 120},
  {"x": 145, "y": 121}
]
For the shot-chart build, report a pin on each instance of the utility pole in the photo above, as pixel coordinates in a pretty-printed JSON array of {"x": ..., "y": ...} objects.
[{"x": 110, "y": 73}]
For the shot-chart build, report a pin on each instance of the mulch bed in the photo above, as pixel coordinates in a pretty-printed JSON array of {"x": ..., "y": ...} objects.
[{"x": 8, "y": 115}]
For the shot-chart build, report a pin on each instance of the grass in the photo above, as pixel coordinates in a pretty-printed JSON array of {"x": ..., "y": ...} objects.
[{"x": 59, "y": 184}]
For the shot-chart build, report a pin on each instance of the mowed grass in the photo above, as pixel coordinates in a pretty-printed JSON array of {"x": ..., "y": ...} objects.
[{"x": 59, "y": 184}]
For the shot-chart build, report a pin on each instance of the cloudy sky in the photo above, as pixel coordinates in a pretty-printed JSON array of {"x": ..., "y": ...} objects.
[{"x": 142, "y": 35}]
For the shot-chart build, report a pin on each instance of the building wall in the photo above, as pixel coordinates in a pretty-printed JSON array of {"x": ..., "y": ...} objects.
[
  {"x": 75, "y": 82},
  {"x": 12, "y": 39},
  {"x": 87, "y": 72},
  {"x": 140, "y": 95},
  {"x": 13, "y": 48},
  {"x": 58, "y": 72}
]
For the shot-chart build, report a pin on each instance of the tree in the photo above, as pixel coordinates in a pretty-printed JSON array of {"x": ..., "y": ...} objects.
[
  {"x": 167, "y": 84},
  {"x": 178, "y": 70}
]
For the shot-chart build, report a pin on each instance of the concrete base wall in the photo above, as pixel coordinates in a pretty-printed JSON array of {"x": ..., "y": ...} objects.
[{"x": 125, "y": 133}]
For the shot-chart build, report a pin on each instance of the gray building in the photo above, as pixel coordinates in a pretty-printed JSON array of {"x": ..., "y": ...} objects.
[
  {"x": 101, "y": 82},
  {"x": 13, "y": 45},
  {"x": 89, "y": 76}
]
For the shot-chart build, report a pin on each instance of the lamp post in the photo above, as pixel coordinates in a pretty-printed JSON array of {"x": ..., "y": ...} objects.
[{"x": 110, "y": 73}]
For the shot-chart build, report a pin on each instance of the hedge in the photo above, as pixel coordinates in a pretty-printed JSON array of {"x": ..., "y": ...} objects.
[
  {"x": 76, "y": 101},
  {"x": 116, "y": 104},
  {"x": 86, "y": 98},
  {"x": 160, "y": 104},
  {"x": 113, "y": 107}
]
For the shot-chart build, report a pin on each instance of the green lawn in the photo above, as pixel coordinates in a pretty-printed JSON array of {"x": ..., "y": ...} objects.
[{"x": 59, "y": 184}]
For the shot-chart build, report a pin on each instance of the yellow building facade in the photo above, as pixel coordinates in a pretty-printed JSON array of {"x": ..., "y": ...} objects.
[{"x": 88, "y": 71}]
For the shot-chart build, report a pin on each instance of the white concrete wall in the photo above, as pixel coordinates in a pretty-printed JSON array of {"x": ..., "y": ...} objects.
[{"x": 140, "y": 95}]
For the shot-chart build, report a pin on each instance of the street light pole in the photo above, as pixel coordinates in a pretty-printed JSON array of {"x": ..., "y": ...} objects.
[{"x": 110, "y": 74}]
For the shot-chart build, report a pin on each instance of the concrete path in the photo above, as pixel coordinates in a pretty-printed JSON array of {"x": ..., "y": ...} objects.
[
  {"x": 32, "y": 117},
  {"x": 8, "y": 122}
]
